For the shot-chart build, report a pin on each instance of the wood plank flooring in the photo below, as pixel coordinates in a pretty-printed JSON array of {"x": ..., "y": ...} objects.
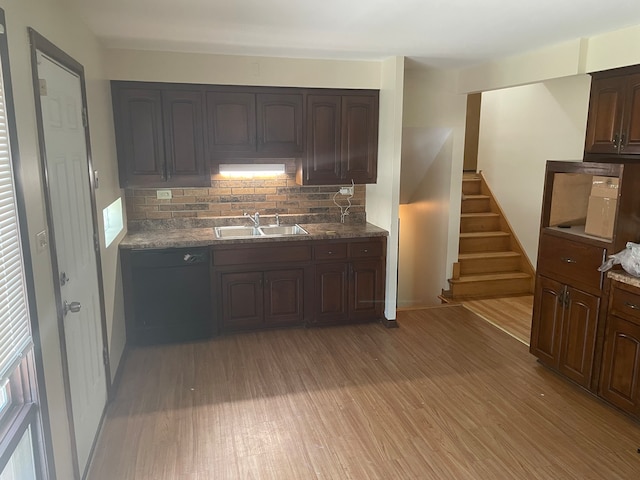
[
  {"x": 445, "y": 396},
  {"x": 511, "y": 314}
]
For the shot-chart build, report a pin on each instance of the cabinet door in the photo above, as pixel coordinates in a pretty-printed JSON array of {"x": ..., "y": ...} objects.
[
  {"x": 283, "y": 297},
  {"x": 578, "y": 338},
  {"x": 323, "y": 164},
  {"x": 630, "y": 143},
  {"x": 359, "y": 135},
  {"x": 139, "y": 136},
  {"x": 184, "y": 138},
  {"x": 620, "y": 376},
  {"x": 231, "y": 120},
  {"x": 279, "y": 123},
  {"x": 331, "y": 285},
  {"x": 605, "y": 115},
  {"x": 242, "y": 300},
  {"x": 546, "y": 326},
  {"x": 366, "y": 290}
]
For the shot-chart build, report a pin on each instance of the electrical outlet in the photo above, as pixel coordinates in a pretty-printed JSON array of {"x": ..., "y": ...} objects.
[
  {"x": 346, "y": 190},
  {"x": 163, "y": 194}
]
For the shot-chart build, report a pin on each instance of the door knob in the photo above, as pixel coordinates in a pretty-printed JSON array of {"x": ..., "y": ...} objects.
[{"x": 73, "y": 307}]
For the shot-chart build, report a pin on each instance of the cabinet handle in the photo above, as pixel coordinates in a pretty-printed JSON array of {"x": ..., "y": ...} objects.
[
  {"x": 632, "y": 306},
  {"x": 616, "y": 140},
  {"x": 568, "y": 260},
  {"x": 622, "y": 142}
]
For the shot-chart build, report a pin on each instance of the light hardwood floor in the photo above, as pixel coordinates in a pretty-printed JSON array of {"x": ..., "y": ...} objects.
[
  {"x": 511, "y": 314},
  {"x": 445, "y": 396}
]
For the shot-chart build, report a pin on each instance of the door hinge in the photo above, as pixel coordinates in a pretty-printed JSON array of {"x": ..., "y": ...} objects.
[
  {"x": 105, "y": 356},
  {"x": 43, "y": 87},
  {"x": 85, "y": 117}
]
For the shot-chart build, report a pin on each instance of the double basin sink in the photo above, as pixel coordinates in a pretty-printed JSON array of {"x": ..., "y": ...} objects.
[{"x": 253, "y": 232}]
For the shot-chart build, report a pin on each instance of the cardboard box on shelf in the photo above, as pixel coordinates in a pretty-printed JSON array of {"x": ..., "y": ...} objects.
[
  {"x": 606, "y": 187},
  {"x": 570, "y": 198},
  {"x": 601, "y": 214}
]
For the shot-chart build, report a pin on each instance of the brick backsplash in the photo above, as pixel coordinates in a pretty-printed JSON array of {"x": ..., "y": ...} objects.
[{"x": 232, "y": 197}]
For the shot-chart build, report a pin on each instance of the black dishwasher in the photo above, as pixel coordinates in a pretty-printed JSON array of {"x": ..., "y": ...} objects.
[{"x": 168, "y": 296}]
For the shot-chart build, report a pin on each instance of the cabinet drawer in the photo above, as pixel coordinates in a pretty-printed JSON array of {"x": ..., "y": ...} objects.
[
  {"x": 574, "y": 262},
  {"x": 365, "y": 249},
  {"x": 626, "y": 305},
  {"x": 288, "y": 252},
  {"x": 330, "y": 251}
]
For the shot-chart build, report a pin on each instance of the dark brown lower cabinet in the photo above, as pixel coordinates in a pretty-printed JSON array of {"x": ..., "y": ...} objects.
[
  {"x": 271, "y": 298},
  {"x": 620, "y": 373},
  {"x": 321, "y": 282},
  {"x": 564, "y": 327},
  {"x": 351, "y": 290}
]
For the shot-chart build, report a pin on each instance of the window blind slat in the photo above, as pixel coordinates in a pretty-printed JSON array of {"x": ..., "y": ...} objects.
[{"x": 15, "y": 331}]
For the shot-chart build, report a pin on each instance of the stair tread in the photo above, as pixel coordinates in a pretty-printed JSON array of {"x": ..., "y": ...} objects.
[
  {"x": 491, "y": 276},
  {"x": 498, "y": 254},
  {"x": 475, "y": 196},
  {"x": 479, "y": 214},
  {"x": 484, "y": 234}
]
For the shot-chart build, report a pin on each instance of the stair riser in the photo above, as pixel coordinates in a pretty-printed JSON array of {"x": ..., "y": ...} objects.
[
  {"x": 489, "y": 265},
  {"x": 475, "y": 205},
  {"x": 471, "y": 187},
  {"x": 479, "y": 224},
  {"x": 490, "y": 244},
  {"x": 491, "y": 288}
]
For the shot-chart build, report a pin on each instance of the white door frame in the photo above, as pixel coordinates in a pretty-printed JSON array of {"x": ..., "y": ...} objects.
[{"x": 39, "y": 43}]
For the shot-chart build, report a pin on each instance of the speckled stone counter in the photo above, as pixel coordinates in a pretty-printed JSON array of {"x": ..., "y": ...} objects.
[
  {"x": 198, "y": 237},
  {"x": 623, "y": 277}
]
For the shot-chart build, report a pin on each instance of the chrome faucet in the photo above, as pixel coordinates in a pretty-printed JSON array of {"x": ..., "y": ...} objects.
[{"x": 254, "y": 218}]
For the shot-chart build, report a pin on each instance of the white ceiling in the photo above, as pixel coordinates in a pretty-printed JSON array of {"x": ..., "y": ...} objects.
[{"x": 435, "y": 32}]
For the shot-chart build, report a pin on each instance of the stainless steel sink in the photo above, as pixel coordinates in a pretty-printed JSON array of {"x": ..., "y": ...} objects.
[
  {"x": 236, "y": 232},
  {"x": 277, "y": 230}
]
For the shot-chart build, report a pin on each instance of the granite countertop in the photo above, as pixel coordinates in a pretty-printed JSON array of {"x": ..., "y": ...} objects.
[
  {"x": 200, "y": 237},
  {"x": 624, "y": 277}
]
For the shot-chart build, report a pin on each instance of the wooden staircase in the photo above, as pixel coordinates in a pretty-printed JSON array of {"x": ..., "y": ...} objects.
[{"x": 491, "y": 261}]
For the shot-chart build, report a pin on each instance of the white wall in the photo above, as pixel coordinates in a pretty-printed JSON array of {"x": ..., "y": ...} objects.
[
  {"x": 384, "y": 196},
  {"x": 433, "y": 146},
  {"x": 51, "y": 19},
  {"x": 142, "y": 65},
  {"x": 520, "y": 129}
]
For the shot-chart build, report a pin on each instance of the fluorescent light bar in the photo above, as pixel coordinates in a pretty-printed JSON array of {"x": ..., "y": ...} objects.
[{"x": 251, "y": 170}]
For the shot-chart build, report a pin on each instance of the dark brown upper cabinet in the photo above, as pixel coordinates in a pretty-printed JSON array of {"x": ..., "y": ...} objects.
[
  {"x": 613, "y": 125},
  {"x": 160, "y": 135},
  {"x": 249, "y": 122},
  {"x": 342, "y": 139}
]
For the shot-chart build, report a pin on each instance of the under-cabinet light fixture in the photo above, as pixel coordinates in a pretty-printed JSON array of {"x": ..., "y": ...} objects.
[{"x": 251, "y": 171}]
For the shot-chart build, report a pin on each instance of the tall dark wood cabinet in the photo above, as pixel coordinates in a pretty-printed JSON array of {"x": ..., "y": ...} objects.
[
  {"x": 613, "y": 125},
  {"x": 342, "y": 139},
  {"x": 567, "y": 332},
  {"x": 160, "y": 135}
]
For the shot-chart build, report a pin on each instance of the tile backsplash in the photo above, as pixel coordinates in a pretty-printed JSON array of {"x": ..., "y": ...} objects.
[{"x": 233, "y": 197}]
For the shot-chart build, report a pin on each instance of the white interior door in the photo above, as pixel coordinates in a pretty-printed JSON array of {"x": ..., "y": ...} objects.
[{"x": 69, "y": 192}]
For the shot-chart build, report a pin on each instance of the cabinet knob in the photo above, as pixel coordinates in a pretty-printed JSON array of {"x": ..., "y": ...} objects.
[
  {"x": 365, "y": 251},
  {"x": 632, "y": 306},
  {"x": 568, "y": 260},
  {"x": 329, "y": 252}
]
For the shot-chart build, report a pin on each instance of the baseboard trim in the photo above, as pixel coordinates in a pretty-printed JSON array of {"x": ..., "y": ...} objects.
[{"x": 389, "y": 323}]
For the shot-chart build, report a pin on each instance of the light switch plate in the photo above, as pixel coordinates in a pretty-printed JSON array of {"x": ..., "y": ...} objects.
[
  {"x": 163, "y": 194},
  {"x": 42, "y": 240}
]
